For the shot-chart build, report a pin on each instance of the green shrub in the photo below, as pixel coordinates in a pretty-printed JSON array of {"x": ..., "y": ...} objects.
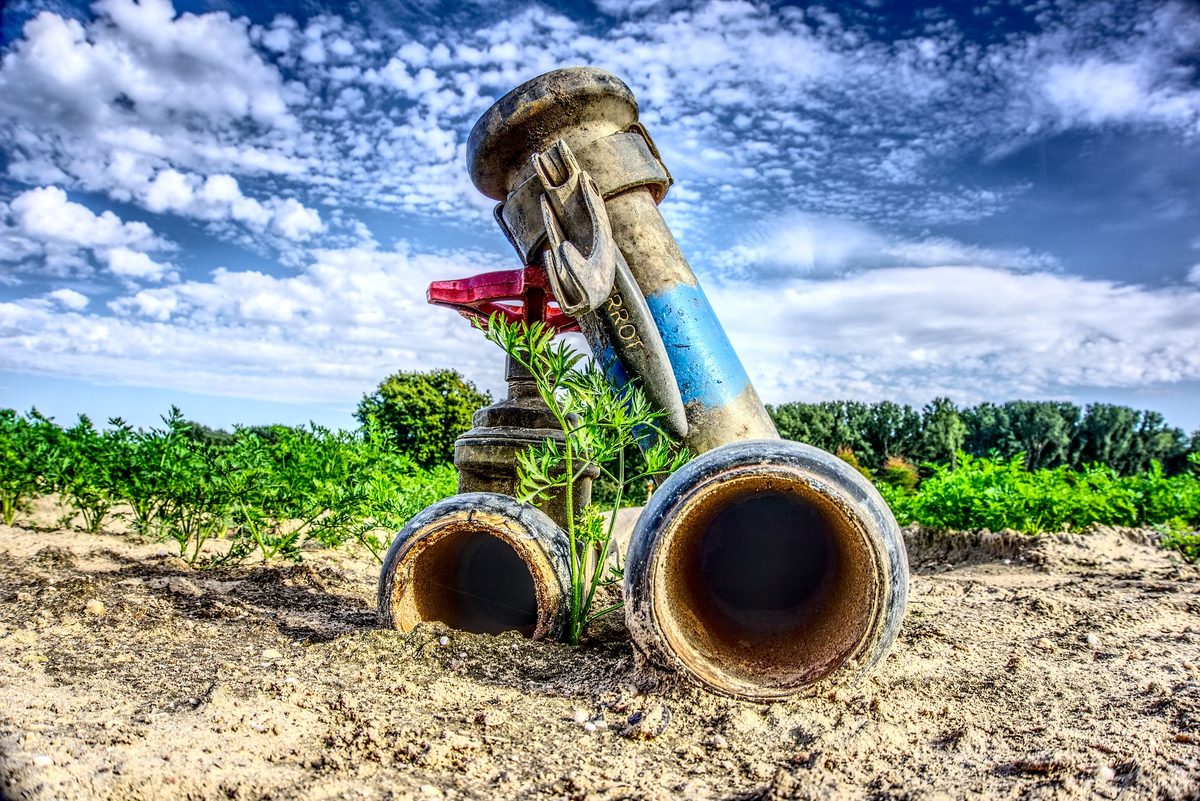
[
  {"x": 26, "y": 453},
  {"x": 266, "y": 490},
  {"x": 994, "y": 494},
  {"x": 1178, "y": 536},
  {"x": 423, "y": 413}
]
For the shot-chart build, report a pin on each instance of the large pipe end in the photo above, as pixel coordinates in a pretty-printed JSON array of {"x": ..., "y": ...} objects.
[
  {"x": 577, "y": 104},
  {"x": 763, "y": 568},
  {"x": 479, "y": 562}
]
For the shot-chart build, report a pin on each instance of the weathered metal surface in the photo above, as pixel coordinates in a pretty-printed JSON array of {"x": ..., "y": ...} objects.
[
  {"x": 616, "y": 163},
  {"x": 599, "y": 289},
  {"x": 579, "y": 105},
  {"x": 582, "y": 106},
  {"x": 478, "y": 562},
  {"x": 575, "y": 223},
  {"x": 766, "y": 567}
]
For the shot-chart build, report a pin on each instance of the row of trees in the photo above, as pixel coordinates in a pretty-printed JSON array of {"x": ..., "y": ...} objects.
[
  {"x": 425, "y": 411},
  {"x": 1049, "y": 433}
]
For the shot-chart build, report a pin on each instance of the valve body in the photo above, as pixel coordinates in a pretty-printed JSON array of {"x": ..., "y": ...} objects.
[{"x": 763, "y": 567}]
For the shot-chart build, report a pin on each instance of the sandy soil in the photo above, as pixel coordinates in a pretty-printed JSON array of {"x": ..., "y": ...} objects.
[{"x": 1062, "y": 668}]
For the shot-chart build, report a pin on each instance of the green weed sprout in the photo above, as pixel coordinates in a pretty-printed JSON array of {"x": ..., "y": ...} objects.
[{"x": 599, "y": 423}]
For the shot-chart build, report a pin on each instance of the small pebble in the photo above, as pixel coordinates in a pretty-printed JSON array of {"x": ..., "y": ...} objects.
[
  {"x": 443, "y": 641},
  {"x": 1093, "y": 639},
  {"x": 43, "y": 760},
  {"x": 647, "y": 724},
  {"x": 1105, "y": 774},
  {"x": 589, "y": 726},
  {"x": 181, "y": 586},
  {"x": 717, "y": 742},
  {"x": 1045, "y": 644},
  {"x": 271, "y": 653},
  {"x": 95, "y": 608},
  {"x": 580, "y": 715},
  {"x": 491, "y": 717},
  {"x": 459, "y": 742}
]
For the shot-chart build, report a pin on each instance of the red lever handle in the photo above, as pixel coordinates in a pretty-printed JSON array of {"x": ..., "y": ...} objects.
[{"x": 517, "y": 294}]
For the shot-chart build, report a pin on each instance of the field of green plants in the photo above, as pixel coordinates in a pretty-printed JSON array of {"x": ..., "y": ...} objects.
[
  {"x": 980, "y": 493},
  {"x": 272, "y": 491},
  {"x": 268, "y": 491},
  {"x": 1032, "y": 466}
]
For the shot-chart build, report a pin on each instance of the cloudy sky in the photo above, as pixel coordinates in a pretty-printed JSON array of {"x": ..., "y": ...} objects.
[{"x": 237, "y": 208}]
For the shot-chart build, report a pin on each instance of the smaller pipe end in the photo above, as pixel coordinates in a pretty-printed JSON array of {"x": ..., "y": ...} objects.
[{"x": 479, "y": 562}]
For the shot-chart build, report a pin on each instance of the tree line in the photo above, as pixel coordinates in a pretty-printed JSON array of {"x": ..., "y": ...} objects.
[
  {"x": 1048, "y": 433},
  {"x": 424, "y": 412}
]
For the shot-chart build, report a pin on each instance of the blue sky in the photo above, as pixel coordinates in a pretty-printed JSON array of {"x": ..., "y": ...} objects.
[{"x": 237, "y": 208}]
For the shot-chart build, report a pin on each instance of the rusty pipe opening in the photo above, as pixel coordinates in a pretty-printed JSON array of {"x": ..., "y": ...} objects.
[
  {"x": 763, "y": 568},
  {"x": 473, "y": 581},
  {"x": 479, "y": 562},
  {"x": 765, "y": 582}
]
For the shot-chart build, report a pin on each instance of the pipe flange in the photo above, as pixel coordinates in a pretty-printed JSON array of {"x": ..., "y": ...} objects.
[{"x": 578, "y": 104}]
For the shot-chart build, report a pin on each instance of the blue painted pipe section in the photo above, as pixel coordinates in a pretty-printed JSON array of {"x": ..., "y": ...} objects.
[
  {"x": 706, "y": 368},
  {"x": 607, "y": 358}
]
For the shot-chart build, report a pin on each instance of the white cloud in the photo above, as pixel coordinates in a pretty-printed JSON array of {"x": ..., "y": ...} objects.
[
  {"x": 1094, "y": 92},
  {"x": 69, "y": 299},
  {"x": 838, "y": 122},
  {"x": 43, "y": 224},
  {"x": 1100, "y": 67},
  {"x": 295, "y": 221},
  {"x": 806, "y": 245},
  {"x": 627, "y": 7},
  {"x": 1193, "y": 274},
  {"x": 141, "y": 54},
  {"x": 329, "y": 333},
  {"x": 128, "y": 263},
  {"x": 141, "y": 104},
  {"x": 46, "y": 214},
  {"x": 351, "y": 316},
  {"x": 969, "y": 332},
  {"x": 219, "y": 197}
]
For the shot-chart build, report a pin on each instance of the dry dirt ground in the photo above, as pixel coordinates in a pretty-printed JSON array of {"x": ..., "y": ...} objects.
[{"x": 1061, "y": 668}]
